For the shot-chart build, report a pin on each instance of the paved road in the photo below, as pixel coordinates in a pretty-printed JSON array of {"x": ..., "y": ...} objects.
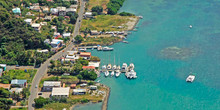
[{"x": 43, "y": 69}]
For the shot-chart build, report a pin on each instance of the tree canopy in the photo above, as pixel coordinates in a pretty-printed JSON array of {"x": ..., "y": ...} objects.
[
  {"x": 97, "y": 9},
  {"x": 78, "y": 39}
]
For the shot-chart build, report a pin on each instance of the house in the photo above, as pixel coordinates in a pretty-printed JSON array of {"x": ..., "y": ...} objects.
[
  {"x": 48, "y": 85},
  {"x": 94, "y": 32},
  {"x": 54, "y": 11},
  {"x": 56, "y": 43},
  {"x": 92, "y": 87},
  {"x": 16, "y": 90},
  {"x": 36, "y": 26},
  {"x": 88, "y": 67},
  {"x": 66, "y": 35},
  {"x": 85, "y": 55},
  {"x": 28, "y": 21},
  {"x": 21, "y": 83},
  {"x": 45, "y": 9},
  {"x": 83, "y": 85},
  {"x": 1, "y": 71},
  {"x": 71, "y": 10},
  {"x": 47, "y": 41},
  {"x": 95, "y": 64},
  {"x": 72, "y": 55},
  {"x": 48, "y": 18},
  {"x": 79, "y": 91},
  {"x": 88, "y": 14},
  {"x": 61, "y": 11},
  {"x": 43, "y": 23},
  {"x": 3, "y": 66},
  {"x": 60, "y": 92},
  {"x": 74, "y": 6},
  {"x": 73, "y": 86},
  {"x": 5, "y": 86},
  {"x": 43, "y": 51},
  {"x": 35, "y": 8},
  {"x": 16, "y": 11},
  {"x": 66, "y": 60}
]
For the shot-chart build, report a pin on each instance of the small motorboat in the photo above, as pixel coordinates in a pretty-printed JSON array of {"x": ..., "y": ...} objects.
[
  {"x": 82, "y": 49},
  {"x": 117, "y": 73},
  {"x": 106, "y": 73},
  {"x": 112, "y": 73},
  {"x": 190, "y": 78},
  {"x": 124, "y": 67},
  {"x": 109, "y": 67},
  {"x": 114, "y": 67},
  {"x": 190, "y": 26},
  {"x": 125, "y": 41}
]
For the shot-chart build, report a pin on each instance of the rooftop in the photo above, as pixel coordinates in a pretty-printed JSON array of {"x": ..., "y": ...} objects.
[
  {"x": 52, "y": 83},
  {"x": 60, "y": 91},
  {"x": 79, "y": 90},
  {"x": 17, "y": 81},
  {"x": 85, "y": 53},
  {"x": 35, "y": 25},
  {"x": 5, "y": 86},
  {"x": 88, "y": 67}
]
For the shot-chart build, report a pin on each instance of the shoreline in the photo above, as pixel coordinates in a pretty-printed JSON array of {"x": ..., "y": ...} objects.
[{"x": 104, "y": 100}]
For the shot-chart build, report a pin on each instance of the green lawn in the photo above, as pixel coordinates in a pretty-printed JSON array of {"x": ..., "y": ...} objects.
[
  {"x": 18, "y": 108},
  {"x": 56, "y": 106},
  {"x": 21, "y": 74},
  {"x": 105, "y": 22},
  {"x": 100, "y": 40}
]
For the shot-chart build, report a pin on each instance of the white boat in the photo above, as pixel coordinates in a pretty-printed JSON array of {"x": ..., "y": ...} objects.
[
  {"x": 125, "y": 41},
  {"x": 98, "y": 81},
  {"x": 124, "y": 67},
  {"x": 99, "y": 48},
  {"x": 118, "y": 67},
  {"x": 141, "y": 17},
  {"x": 131, "y": 66},
  {"x": 190, "y": 26},
  {"x": 109, "y": 66},
  {"x": 131, "y": 74},
  {"x": 104, "y": 68},
  {"x": 117, "y": 73},
  {"x": 190, "y": 78},
  {"x": 114, "y": 67},
  {"x": 106, "y": 73},
  {"x": 107, "y": 49},
  {"x": 112, "y": 73},
  {"x": 82, "y": 49}
]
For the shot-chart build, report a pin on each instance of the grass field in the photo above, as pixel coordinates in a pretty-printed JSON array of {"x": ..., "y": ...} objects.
[
  {"x": 100, "y": 40},
  {"x": 56, "y": 106},
  {"x": 21, "y": 74},
  {"x": 93, "y": 3},
  {"x": 18, "y": 108},
  {"x": 106, "y": 22}
]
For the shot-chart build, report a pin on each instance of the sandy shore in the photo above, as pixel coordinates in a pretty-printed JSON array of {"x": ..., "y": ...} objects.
[{"x": 132, "y": 23}]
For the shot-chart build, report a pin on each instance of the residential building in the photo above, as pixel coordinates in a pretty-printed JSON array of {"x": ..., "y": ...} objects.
[
  {"x": 5, "y": 86},
  {"x": 95, "y": 64},
  {"x": 79, "y": 91},
  {"x": 16, "y": 90},
  {"x": 61, "y": 11},
  {"x": 92, "y": 87},
  {"x": 54, "y": 11},
  {"x": 47, "y": 41},
  {"x": 88, "y": 14},
  {"x": 16, "y": 11},
  {"x": 45, "y": 9},
  {"x": 35, "y": 8},
  {"x": 28, "y": 21},
  {"x": 36, "y": 26},
  {"x": 48, "y": 85},
  {"x": 3, "y": 66},
  {"x": 73, "y": 86},
  {"x": 88, "y": 67},
  {"x": 74, "y": 6},
  {"x": 71, "y": 10},
  {"x": 56, "y": 43},
  {"x": 48, "y": 18},
  {"x": 60, "y": 92},
  {"x": 43, "y": 51},
  {"x": 66, "y": 60},
  {"x": 85, "y": 55},
  {"x": 21, "y": 83},
  {"x": 94, "y": 32},
  {"x": 66, "y": 35}
]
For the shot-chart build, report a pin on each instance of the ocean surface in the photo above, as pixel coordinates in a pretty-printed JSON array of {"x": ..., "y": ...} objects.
[{"x": 161, "y": 74}]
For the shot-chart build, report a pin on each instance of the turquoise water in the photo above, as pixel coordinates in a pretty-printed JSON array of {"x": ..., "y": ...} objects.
[{"x": 161, "y": 82}]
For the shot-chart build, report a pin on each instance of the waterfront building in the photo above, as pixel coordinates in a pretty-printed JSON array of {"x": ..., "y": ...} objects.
[
  {"x": 60, "y": 92},
  {"x": 48, "y": 85},
  {"x": 85, "y": 55}
]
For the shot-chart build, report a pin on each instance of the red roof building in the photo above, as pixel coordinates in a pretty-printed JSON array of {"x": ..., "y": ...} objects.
[{"x": 88, "y": 67}]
